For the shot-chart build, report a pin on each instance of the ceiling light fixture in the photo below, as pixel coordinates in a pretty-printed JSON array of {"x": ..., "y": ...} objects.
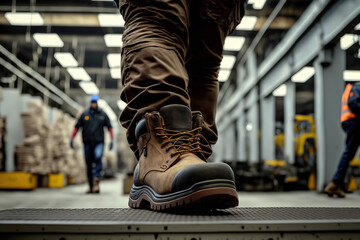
[
  {"x": 66, "y": 59},
  {"x": 227, "y": 62},
  {"x": 224, "y": 75},
  {"x": 303, "y": 75},
  {"x": 348, "y": 40},
  {"x": 351, "y": 75},
  {"x": 114, "y": 60},
  {"x": 48, "y": 40},
  {"x": 121, "y": 104},
  {"x": 110, "y": 20},
  {"x": 233, "y": 43},
  {"x": 247, "y": 23},
  {"x": 79, "y": 73},
  {"x": 24, "y": 18},
  {"x": 113, "y": 40},
  {"x": 115, "y": 73},
  {"x": 89, "y": 87},
  {"x": 280, "y": 91},
  {"x": 107, "y": 109},
  {"x": 257, "y": 4}
]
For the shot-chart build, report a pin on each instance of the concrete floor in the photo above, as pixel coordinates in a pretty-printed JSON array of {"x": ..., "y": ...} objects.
[{"x": 111, "y": 197}]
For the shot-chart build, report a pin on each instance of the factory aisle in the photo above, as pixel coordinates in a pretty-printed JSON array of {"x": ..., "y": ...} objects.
[{"x": 111, "y": 197}]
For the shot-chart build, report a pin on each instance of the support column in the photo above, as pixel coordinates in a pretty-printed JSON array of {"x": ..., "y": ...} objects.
[
  {"x": 11, "y": 110},
  {"x": 267, "y": 127},
  {"x": 253, "y": 131},
  {"x": 241, "y": 141},
  {"x": 329, "y": 86},
  {"x": 289, "y": 113}
]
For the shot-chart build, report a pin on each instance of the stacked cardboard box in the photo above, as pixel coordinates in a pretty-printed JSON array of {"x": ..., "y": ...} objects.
[
  {"x": 2, "y": 142},
  {"x": 46, "y": 149},
  {"x": 65, "y": 159},
  {"x": 31, "y": 155}
]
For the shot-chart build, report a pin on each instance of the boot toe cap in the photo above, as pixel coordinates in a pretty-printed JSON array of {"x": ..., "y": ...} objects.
[{"x": 191, "y": 175}]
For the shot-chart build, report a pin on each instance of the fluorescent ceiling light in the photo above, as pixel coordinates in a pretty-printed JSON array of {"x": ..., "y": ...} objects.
[
  {"x": 111, "y": 20},
  {"x": 114, "y": 60},
  {"x": 79, "y": 73},
  {"x": 303, "y": 75},
  {"x": 280, "y": 91},
  {"x": 66, "y": 59},
  {"x": 113, "y": 40},
  {"x": 89, "y": 87},
  {"x": 249, "y": 127},
  {"x": 121, "y": 104},
  {"x": 257, "y": 4},
  {"x": 247, "y": 23},
  {"x": 48, "y": 40},
  {"x": 107, "y": 109},
  {"x": 351, "y": 75},
  {"x": 227, "y": 62},
  {"x": 115, "y": 73},
  {"x": 348, "y": 40},
  {"x": 357, "y": 27},
  {"x": 24, "y": 18},
  {"x": 224, "y": 75},
  {"x": 102, "y": 103},
  {"x": 234, "y": 43}
]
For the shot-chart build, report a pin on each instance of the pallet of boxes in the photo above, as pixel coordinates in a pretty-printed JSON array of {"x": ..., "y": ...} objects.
[
  {"x": 66, "y": 160},
  {"x": 45, "y": 150}
]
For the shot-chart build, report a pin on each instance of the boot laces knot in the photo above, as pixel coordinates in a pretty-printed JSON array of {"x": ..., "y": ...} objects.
[{"x": 181, "y": 141}]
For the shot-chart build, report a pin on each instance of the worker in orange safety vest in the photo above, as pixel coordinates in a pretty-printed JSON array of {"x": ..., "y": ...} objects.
[{"x": 350, "y": 122}]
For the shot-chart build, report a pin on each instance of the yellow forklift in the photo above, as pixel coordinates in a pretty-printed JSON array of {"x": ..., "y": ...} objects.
[{"x": 302, "y": 173}]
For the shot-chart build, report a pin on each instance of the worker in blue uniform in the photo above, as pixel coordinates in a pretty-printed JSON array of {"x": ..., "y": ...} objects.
[
  {"x": 350, "y": 121},
  {"x": 92, "y": 122}
]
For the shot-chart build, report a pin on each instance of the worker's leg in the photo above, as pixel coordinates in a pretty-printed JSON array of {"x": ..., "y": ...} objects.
[
  {"x": 153, "y": 58},
  {"x": 98, "y": 153},
  {"x": 88, "y": 159},
  {"x": 352, "y": 128},
  {"x": 211, "y": 22}
]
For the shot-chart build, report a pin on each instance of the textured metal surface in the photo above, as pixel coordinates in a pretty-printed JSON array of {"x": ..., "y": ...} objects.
[{"x": 145, "y": 216}]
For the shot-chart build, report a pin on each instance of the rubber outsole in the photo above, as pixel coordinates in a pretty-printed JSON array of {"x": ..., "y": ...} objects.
[{"x": 204, "y": 198}]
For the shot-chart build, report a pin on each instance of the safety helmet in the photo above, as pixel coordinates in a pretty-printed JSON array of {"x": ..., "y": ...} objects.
[{"x": 94, "y": 98}]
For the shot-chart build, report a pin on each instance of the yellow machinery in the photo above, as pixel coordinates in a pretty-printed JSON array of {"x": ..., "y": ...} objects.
[
  {"x": 18, "y": 180},
  {"x": 305, "y": 155},
  {"x": 303, "y": 171}
]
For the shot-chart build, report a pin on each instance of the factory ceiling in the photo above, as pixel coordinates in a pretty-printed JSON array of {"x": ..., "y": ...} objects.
[{"x": 90, "y": 42}]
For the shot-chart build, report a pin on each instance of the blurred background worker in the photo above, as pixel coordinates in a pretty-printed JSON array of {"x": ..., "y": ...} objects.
[
  {"x": 93, "y": 122},
  {"x": 350, "y": 122}
]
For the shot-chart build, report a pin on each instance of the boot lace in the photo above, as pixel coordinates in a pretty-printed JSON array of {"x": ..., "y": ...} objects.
[{"x": 181, "y": 141}]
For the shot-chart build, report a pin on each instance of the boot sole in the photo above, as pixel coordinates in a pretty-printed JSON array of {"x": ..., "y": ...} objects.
[{"x": 207, "y": 195}]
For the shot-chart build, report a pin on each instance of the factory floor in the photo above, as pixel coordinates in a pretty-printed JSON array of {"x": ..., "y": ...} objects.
[{"x": 111, "y": 197}]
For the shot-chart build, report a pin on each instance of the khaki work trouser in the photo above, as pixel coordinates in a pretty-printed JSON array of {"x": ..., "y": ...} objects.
[{"x": 171, "y": 54}]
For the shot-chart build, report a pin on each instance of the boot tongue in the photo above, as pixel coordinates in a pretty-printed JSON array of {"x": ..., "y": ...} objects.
[{"x": 176, "y": 117}]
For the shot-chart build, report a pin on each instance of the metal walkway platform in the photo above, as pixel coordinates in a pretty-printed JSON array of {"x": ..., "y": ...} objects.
[{"x": 236, "y": 223}]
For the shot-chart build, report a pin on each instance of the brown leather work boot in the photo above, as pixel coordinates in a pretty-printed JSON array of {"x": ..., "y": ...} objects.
[
  {"x": 172, "y": 170},
  {"x": 89, "y": 191},
  {"x": 96, "y": 186},
  {"x": 334, "y": 189}
]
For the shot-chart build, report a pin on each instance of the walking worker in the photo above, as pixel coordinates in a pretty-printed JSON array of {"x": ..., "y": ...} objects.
[
  {"x": 92, "y": 123},
  {"x": 350, "y": 122},
  {"x": 171, "y": 57}
]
